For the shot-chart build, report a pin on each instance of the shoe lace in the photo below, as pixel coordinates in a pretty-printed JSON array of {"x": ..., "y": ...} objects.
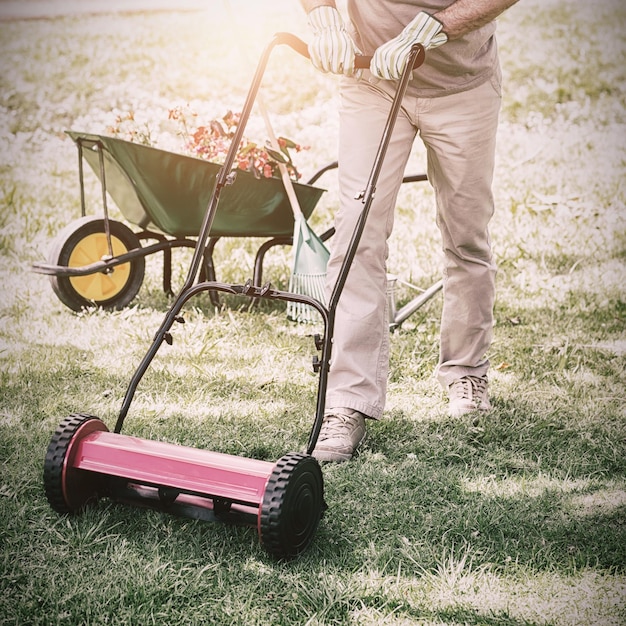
[
  {"x": 336, "y": 425},
  {"x": 465, "y": 388}
]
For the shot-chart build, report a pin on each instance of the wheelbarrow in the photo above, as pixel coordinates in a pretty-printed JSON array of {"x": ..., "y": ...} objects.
[
  {"x": 99, "y": 261},
  {"x": 283, "y": 500}
]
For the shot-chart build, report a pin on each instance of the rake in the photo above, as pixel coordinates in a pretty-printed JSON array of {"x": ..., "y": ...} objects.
[{"x": 310, "y": 255}]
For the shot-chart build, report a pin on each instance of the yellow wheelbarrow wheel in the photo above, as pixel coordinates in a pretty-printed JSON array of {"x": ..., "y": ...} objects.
[{"x": 84, "y": 242}]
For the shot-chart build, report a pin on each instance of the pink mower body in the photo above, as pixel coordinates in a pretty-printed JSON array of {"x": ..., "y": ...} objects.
[{"x": 283, "y": 500}]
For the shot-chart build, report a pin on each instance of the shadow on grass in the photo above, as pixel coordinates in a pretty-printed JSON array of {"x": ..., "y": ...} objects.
[
  {"x": 528, "y": 489},
  {"x": 541, "y": 499},
  {"x": 469, "y": 617}
]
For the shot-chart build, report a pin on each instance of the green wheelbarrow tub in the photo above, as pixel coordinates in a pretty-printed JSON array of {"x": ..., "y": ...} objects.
[{"x": 169, "y": 192}]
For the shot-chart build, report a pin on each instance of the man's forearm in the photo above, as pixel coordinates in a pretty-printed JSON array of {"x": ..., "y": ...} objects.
[
  {"x": 464, "y": 16},
  {"x": 309, "y": 5}
]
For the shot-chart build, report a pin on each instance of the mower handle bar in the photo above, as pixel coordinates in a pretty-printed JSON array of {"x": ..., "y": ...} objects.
[
  {"x": 224, "y": 178},
  {"x": 361, "y": 61}
]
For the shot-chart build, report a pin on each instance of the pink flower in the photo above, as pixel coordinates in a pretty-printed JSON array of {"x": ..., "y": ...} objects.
[{"x": 212, "y": 142}]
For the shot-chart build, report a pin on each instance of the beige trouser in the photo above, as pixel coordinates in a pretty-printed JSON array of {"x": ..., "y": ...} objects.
[{"x": 459, "y": 133}]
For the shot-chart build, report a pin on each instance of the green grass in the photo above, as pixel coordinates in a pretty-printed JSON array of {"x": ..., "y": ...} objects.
[{"x": 518, "y": 520}]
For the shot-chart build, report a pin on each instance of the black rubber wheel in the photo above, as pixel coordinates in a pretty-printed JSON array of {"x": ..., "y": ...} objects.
[
  {"x": 69, "y": 489},
  {"x": 293, "y": 504},
  {"x": 83, "y": 242}
]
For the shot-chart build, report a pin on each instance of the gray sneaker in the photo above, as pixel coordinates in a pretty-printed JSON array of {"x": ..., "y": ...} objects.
[
  {"x": 341, "y": 433},
  {"x": 468, "y": 395}
]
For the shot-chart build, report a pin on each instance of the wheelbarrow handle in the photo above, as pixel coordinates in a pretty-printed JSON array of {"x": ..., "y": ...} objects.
[{"x": 361, "y": 61}]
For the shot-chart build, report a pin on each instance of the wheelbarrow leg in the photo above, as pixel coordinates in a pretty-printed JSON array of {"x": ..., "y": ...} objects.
[{"x": 207, "y": 273}]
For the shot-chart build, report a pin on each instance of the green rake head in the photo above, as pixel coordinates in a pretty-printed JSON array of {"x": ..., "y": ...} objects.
[{"x": 308, "y": 276}]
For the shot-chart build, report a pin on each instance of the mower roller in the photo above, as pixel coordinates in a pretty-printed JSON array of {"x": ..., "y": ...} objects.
[{"x": 283, "y": 500}]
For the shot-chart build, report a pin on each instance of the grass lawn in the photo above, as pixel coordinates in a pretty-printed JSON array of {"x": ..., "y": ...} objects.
[{"x": 518, "y": 520}]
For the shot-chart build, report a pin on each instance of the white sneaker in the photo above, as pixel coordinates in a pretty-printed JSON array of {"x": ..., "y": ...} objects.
[
  {"x": 468, "y": 395},
  {"x": 341, "y": 433}
]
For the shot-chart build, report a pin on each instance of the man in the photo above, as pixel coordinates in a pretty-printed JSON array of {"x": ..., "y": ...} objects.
[{"x": 453, "y": 102}]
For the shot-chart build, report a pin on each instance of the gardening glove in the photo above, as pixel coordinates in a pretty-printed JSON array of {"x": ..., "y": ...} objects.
[
  {"x": 389, "y": 59},
  {"x": 332, "y": 49}
]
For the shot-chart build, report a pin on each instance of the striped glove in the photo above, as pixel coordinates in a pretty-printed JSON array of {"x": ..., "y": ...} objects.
[
  {"x": 332, "y": 49},
  {"x": 389, "y": 59}
]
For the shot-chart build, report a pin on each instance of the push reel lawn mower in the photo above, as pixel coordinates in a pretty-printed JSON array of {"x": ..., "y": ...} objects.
[{"x": 283, "y": 500}]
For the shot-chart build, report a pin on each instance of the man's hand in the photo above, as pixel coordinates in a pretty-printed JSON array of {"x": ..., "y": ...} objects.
[
  {"x": 332, "y": 49},
  {"x": 390, "y": 59}
]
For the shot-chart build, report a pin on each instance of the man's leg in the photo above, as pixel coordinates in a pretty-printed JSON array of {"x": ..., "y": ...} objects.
[
  {"x": 357, "y": 381},
  {"x": 459, "y": 132},
  {"x": 359, "y": 364}
]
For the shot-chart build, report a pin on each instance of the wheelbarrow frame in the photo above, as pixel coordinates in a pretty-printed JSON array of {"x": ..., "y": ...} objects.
[{"x": 285, "y": 500}]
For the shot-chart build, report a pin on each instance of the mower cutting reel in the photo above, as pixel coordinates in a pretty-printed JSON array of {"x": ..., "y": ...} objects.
[{"x": 283, "y": 500}]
